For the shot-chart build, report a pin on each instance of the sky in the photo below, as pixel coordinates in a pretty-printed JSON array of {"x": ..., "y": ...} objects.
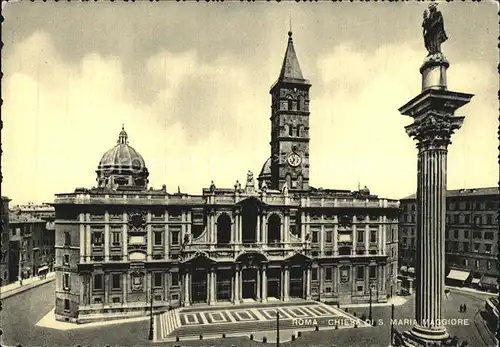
[{"x": 190, "y": 82}]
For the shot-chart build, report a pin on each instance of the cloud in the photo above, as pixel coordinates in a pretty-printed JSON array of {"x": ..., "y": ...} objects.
[
  {"x": 210, "y": 120},
  {"x": 358, "y": 134},
  {"x": 60, "y": 119}
]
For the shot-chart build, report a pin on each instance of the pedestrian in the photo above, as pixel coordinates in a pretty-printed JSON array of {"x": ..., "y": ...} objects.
[
  {"x": 461, "y": 308},
  {"x": 465, "y": 308}
]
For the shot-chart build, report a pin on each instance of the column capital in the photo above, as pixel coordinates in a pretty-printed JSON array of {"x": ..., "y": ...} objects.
[{"x": 434, "y": 130}]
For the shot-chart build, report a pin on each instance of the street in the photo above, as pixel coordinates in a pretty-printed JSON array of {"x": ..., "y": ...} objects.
[{"x": 21, "y": 312}]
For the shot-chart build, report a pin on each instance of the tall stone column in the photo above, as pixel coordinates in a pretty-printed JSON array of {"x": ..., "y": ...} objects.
[
  {"x": 187, "y": 299},
  {"x": 434, "y": 123}
]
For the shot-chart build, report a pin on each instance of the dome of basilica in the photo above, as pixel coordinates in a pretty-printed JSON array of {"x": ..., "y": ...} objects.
[
  {"x": 122, "y": 165},
  {"x": 265, "y": 173}
]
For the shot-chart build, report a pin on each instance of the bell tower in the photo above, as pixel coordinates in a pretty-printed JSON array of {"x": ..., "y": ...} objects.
[{"x": 290, "y": 125}]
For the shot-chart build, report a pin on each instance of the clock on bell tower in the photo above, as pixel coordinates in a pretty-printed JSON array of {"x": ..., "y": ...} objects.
[{"x": 290, "y": 125}]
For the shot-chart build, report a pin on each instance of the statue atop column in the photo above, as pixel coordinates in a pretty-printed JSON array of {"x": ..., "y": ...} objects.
[{"x": 434, "y": 33}]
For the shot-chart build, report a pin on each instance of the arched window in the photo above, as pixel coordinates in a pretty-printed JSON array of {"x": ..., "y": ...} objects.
[
  {"x": 289, "y": 98},
  {"x": 223, "y": 229}
]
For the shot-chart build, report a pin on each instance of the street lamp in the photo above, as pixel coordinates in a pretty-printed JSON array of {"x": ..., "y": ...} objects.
[
  {"x": 151, "y": 316},
  {"x": 392, "y": 325},
  {"x": 277, "y": 328},
  {"x": 370, "y": 313}
]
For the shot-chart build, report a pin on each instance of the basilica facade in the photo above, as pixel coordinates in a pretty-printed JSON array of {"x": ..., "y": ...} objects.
[{"x": 122, "y": 247}]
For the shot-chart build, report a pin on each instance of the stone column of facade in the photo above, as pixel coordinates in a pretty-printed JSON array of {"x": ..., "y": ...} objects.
[
  {"x": 434, "y": 123},
  {"x": 125, "y": 288},
  {"x": 88, "y": 237},
  {"x": 214, "y": 285},
  {"x": 107, "y": 287},
  {"x": 322, "y": 236},
  {"x": 367, "y": 237},
  {"x": 380, "y": 232},
  {"x": 106, "y": 236},
  {"x": 236, "y": 284},
  {"x": 321, "y": 275},
  {"x": 335, "y": 279},
  {"x": 335, "y": 239},
  {"x": 214, "y": 229},
  {"x": 302, "y": 227},
  {"x": 286, "y": 228},
  {"x": 209, "y": 287},
  {"x": 83, "y": 247},
  {"x": 386, "y": 228},
  {"x": 149, "y": 228},
  {"x": 125, "y": 237},
  {"x": 240, "y": 229},
  {"x": 354, "y": 236},
  {"x": 259, "y": 284},
  {"x": 263, "y": 229},
  {"x": 258, "y": 235},
  {"x": 166, "y": 238},
  {"x": 286, "y": 296},
  {"x": 83, "y": 290},
  {"x": 264, "y": 283},
  {"x": 187, "y": 299},
  {"x": 308, "y": 282},
  {"x": 183, "y": 226}
]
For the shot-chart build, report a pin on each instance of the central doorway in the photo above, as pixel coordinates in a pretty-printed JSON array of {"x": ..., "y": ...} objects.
[
  {"x": 199, "y": 285},
  {"x": 274, "y": 283},
  {"x": 297, "y": 281},
  {"x": 249, "y": 285}
]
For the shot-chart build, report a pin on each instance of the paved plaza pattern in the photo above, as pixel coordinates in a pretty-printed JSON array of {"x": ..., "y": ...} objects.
[{"x": 214, "y": 321}]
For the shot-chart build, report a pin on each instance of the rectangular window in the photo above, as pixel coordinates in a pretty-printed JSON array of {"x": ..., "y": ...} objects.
[
  {"x": 175, "y": 237},
  {"x": 97, "y": 238},
  {"x": 373, "y": 236},
  {"x": 314, "y": 237},
  {"x": 488, "y": 235},
  {"x": 467, "y": 219},
  {"x": 466, "y": 234},
  {"x": 158, "y": 238},
  {"x": 67, "y": 238},
  {"x": 373, "y": 272},
  {"x": 476, "y": 235},
  {"x": 158, "y": 279},
  {"x": 477, "y": 263},
  {"x": 66, "y": 259},
  {"x": 466, "y": 246},
  {"x": 360, "y": 288},
  {"x": 487, "y": 248},
  {"x": 66, "y": 282},
  {"x": 488, "y": 265},
  {"x": 328, "y": 236},
  {"x": 361, "y": 236},
  {"x": 116, "y": 239},
  {"x": 456, "y": 218},
  {"x": 174, "y": 278},
  {"x": 489, "y": 219},
  {"x": 115, "y": 279},
  {"x": 476, "y": 247},
  {"x": 329, "y": 274},
  {"x": 98, "y": 282},
  {"x": 314, "y": 273},
  {"x": 360, "y": 273},
  {"x": 455, "y": 234},
  {"x": 66, "y": 305},
  {"x": 447, "y": 233}
]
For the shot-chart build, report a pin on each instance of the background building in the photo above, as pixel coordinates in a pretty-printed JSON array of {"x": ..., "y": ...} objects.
[
  {"x": 471, "y": 236},
  {"x": 31, "y": 246},
  {"x": 119, "y": 245},
  {"x": 4, "y": 260}
]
